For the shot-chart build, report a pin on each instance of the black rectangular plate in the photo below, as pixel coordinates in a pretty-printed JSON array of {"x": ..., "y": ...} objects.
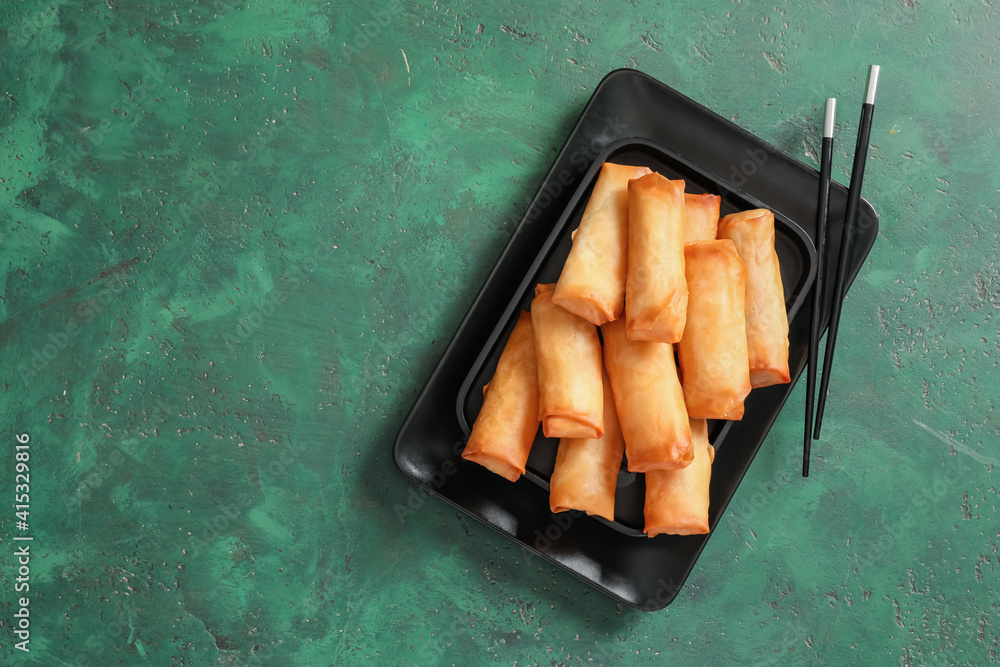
[{"x": 631, "y": 118}]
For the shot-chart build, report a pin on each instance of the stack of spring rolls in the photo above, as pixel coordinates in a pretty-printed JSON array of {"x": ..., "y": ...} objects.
[{"x": 691, "y": 312}]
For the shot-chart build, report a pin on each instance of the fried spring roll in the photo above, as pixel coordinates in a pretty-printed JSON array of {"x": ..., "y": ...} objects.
[
  {"x": 656, "y": 291},
  {"x": 736, "y": 414},
  {"x": 767, "y": 321},
  {"x": 649, "y": 400},
  {"x": 508, "y": 421},
  {"x": 592, "y": 283},
  {"x": 677, "y": 500},
  {"x": 713, "y": 351},
  {"x": 701, "y": 217},
  {"x": 570, "y": 391},
  {"x": 586, "y": 470}
]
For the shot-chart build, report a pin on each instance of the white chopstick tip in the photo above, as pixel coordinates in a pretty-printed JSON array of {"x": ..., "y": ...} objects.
[
  {"x": 831, "y": 112},
  {"x": 872, "y": 84}
]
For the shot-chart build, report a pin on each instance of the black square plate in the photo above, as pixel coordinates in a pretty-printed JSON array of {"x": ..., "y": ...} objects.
[{"x": 631, "y": 119}]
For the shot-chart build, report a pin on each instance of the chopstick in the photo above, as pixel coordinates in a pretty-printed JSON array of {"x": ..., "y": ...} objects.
[
  {"x": 822, "y": 208},
  {"x": 850, "y": 219}
]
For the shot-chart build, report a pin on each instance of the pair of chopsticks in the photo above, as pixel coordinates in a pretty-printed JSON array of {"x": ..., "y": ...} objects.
[{"x": 839, "y": 286}]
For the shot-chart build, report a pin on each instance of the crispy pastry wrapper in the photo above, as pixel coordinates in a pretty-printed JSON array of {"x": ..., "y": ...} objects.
[
  {"x": 505, "y": 428},
  {"x": 592, "y": 283},
  {"x": 701, "y": 217},
  {"x": 677, "y": 500},
  {"x": 713, "y": 352},
  {"x": 767, "y": 320},
  {"x": 649, "y": 401},
  {"x": 568, "y": 351},
  {"x": 736, "y": 414},
  {"x": 656, "y": 290},
  {"x": 586, "y": 470}
]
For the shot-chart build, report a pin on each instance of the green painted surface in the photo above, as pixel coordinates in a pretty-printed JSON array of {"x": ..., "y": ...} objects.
[{"x": 236, "y": 237}]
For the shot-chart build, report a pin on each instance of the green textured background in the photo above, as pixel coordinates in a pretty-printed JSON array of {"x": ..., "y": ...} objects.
[{"x": 236, "y": 237}]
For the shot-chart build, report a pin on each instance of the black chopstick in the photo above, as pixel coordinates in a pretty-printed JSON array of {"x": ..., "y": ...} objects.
[
  {"x": 819, "y": 286},
  {"x": 850, "y": 219}
]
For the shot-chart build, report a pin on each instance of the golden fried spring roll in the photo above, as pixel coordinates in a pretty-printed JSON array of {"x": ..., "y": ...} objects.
[
  {"x": 701, "y": 217},
  {"x": 586, "y": 471},
  {"x": 570, "y": 391},
  {"x": 649, "y": 400},
  {"x": 677, "y": 500},
  {"x": 713, "y": 351},
  {"x": 508, "y": 421},
  {"x": 656, "y": 291},
  {"x": 592, "y": 283},
  {"x": 767, "y": 321},
  {"x": 736, "y": 414}
]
